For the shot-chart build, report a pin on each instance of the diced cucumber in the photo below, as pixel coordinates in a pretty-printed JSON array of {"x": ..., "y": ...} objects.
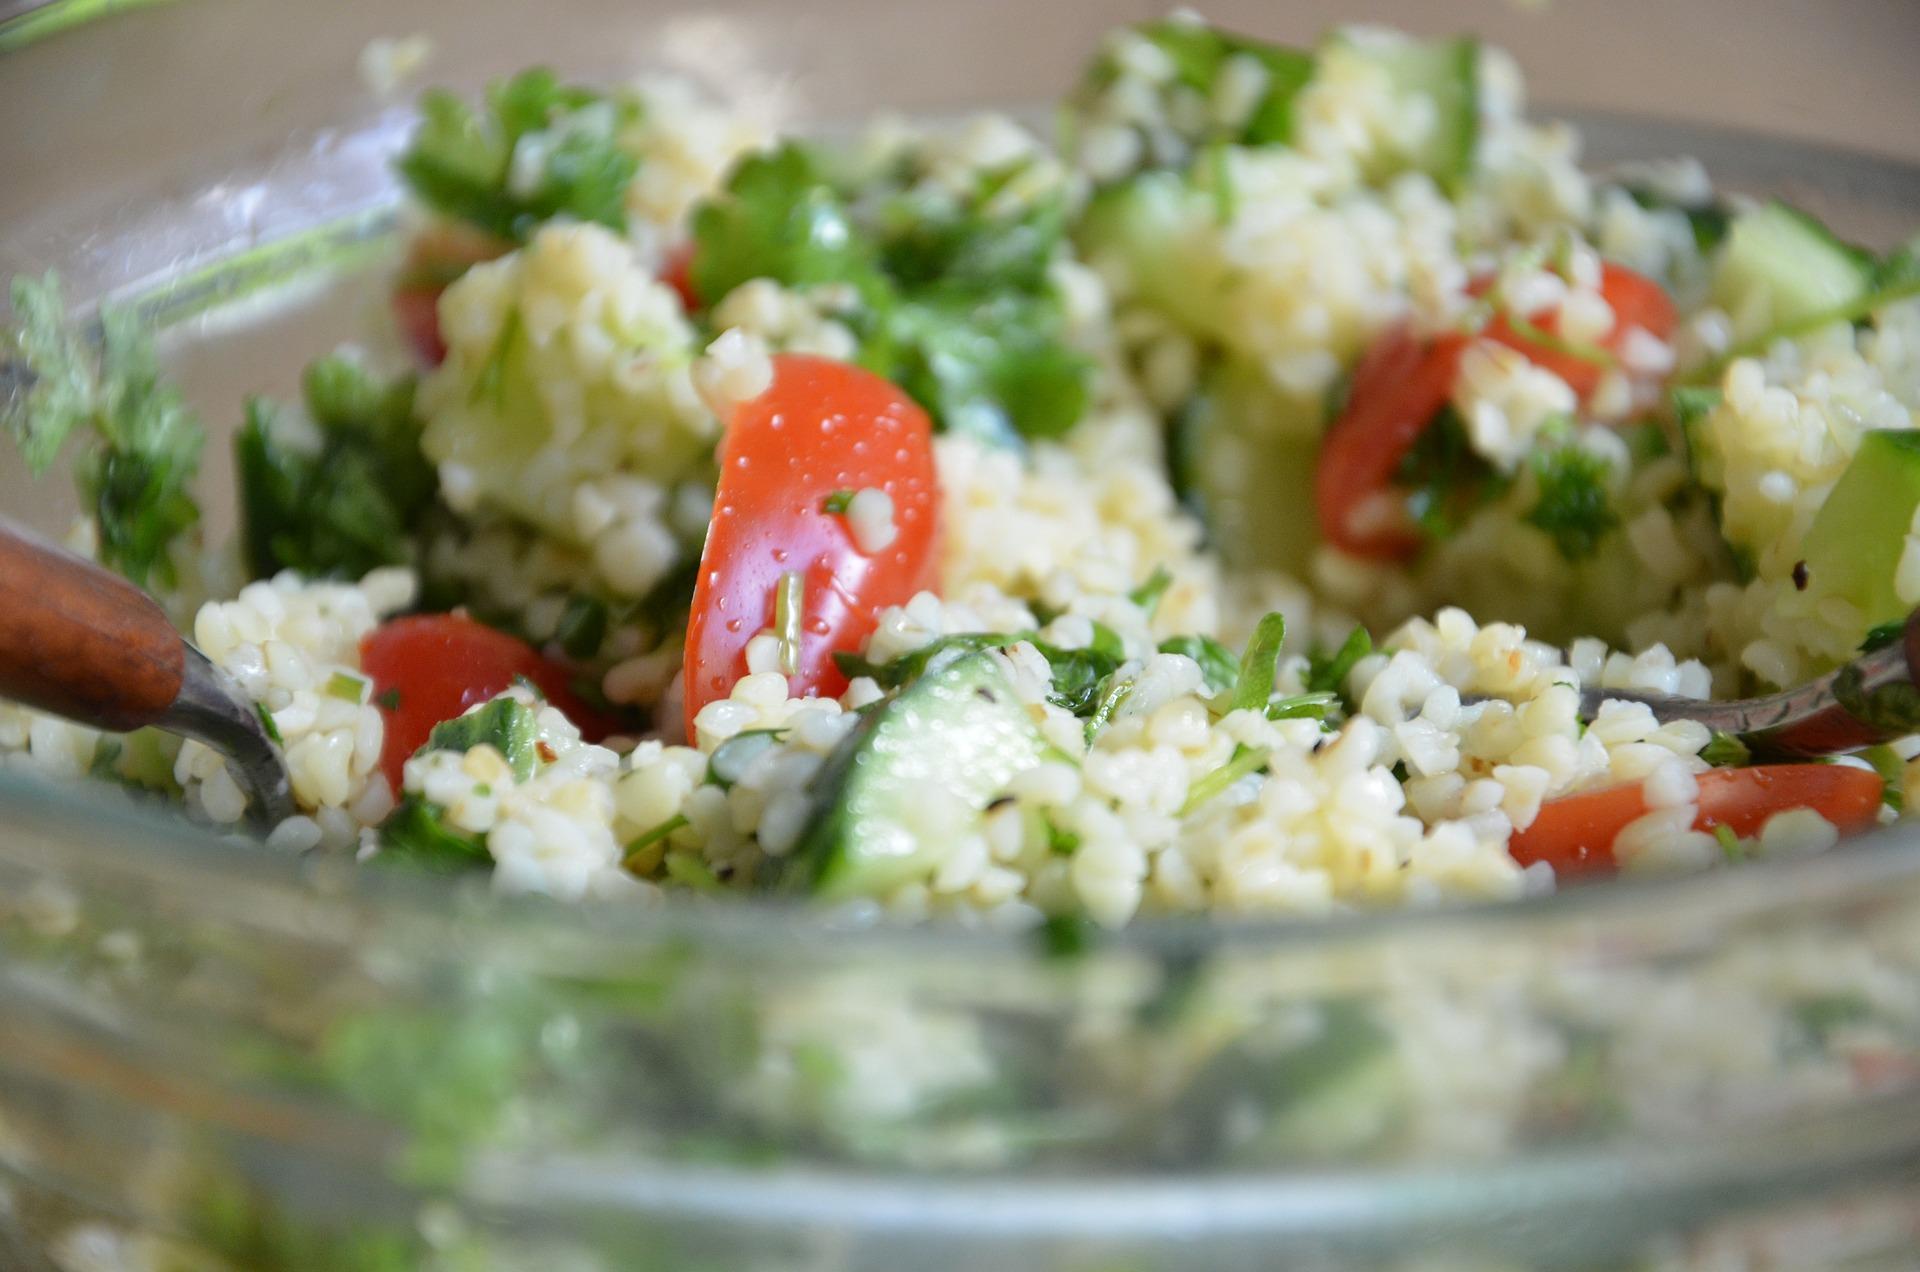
[
  {"x": 1444, "y": 73},
  {"x": 1163, "y": 232},
  {"x": 913, "y": 778},
  {"x": 1243, "y": 456},
  {"x": 1781, "y": 266},
  {"x": 1853, "y": 548}
]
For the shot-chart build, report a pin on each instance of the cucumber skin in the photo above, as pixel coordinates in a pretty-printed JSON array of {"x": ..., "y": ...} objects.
[
  {"x": 1853, "y": 548},
  {"x": 1796, "y": 262},
  {"x": 958, "y": 728}
]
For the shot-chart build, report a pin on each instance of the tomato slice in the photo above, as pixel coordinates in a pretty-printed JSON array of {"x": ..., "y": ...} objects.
[
  {"x": 677, "y": 272},
  {"x": 1575, "y": 833},
  {"x": 427, "y": 668},
  {"x": 1398, "y": 388},
  {"x": 821, "y": 428},
  {"x": 1401, "y": 384},
  {"x": 1636, "y": 300}
]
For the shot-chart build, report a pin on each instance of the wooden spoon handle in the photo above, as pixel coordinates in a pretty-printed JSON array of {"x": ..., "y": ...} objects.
[{"x": 81, "y": 642}]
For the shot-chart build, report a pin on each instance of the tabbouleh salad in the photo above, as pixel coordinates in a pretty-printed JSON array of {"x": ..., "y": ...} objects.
[{"x": 1215, "y": 508}]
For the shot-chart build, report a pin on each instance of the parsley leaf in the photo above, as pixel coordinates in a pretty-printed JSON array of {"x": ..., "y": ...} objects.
[
  {"x": 345, "y": 502},
  {"x": 416, "y": 834},
  {"x": 1218, "y": 666},
  {"x": 1573, "y": 506},
  {"x": 505, "y": 724},
  {"x": 138, "y": 472},
  {"x": 1258, "y": 665},
  {"x": 1446, "y": 480},
  {"x": 539, "y": 149},
  {"x": 1328, "y": 673}
]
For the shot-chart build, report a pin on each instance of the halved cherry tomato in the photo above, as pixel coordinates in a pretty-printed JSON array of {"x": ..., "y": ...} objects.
[
  {"x": 1398, "y": 388},
  {"x": 1636, "y": 300},
  {"x": 677, "y": 273},
  {"x": 427, "y": 668},
  {"x": 438, "y": 255},
  {"x": 822, "y": 427},
  {"x": 1575, "y": 833}
]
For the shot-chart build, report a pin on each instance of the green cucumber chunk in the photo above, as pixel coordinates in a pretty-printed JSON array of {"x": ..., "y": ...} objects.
[
  {"x": 1853, "y": 548},
  {"x": 1164, "y": 233},
  {"x": 1781, "y": 266},
  {"x": 912, "y": 778},
  {"x": 1243, "y": 457},
  {"x": 1444, "y": 73}
]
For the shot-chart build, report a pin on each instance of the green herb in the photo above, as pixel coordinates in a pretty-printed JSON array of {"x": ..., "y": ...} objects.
[
  {"x": 1729, "y": 842},
  {"x": 1218, "y": 666},
  {"x": 1708, "y": 221},
  {"x": 1573, "y": 506},
  {"x": 1060, "y": 842},
  {"x": 689, "y": 871},
  {"x": 837, "y": 502},
  {"x": 1226, "y": 202},
  {"x": 347, "y": 687},
  {"x": 538, "y": 150},
  {"x": 1258, "y": 665},
  {"x": 416, "y": 834},
  {"x": 953, "y": 302},
  {"x": 582, "y": 628},
  {"x": 1303, "y": 706},
  {"x": 645, "y": 841},
  {"x": 789, "y": 601},
  {"x": 1825, "y": 1014},
  {"x": 143, "y": 443},
  {"x": 1106, "y": 642},
  {"x": 505, "y": 724},
  {"x": 1895, "y": 279},
  {"x": 1117, "y": 691},
  {"x": 1244, "y": 761},
  {"x": 1328, "y": 674},
  {"x": 1725, "y": 750},
  {"x": 1534, "y": 334},
  {"x": 388, "y": 699},
  {"x": 1446, "y": 480},
  {"x": 1066, "y": 936},
  {"x": 268, "y": 723},
  {"x": 1147, "y": 595},
  {"x": 349, "y": 498},
  {"x": 1081, "y": 677},
  {"x": 909, "y": 667},
  {"x": 730, "y": 760},
  {"x": 1893, "y": 774},
  {"x": 1882, "y": 635}
]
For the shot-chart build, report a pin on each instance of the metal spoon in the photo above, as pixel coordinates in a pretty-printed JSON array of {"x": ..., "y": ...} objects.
[
  {"x": 1873, "y": 699},
  {"x": 85, "y": 644}
]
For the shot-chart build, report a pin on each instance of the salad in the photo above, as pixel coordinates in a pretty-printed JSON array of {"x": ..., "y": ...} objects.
[{"x": 1214, "y": 507}]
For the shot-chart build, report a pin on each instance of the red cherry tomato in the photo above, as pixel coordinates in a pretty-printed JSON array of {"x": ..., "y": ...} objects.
[
  {"x": 1637, "y": 301},
  {"x": 1399, "y": 386},
  {"x": 427, "y": 668},
  {"x": 677, "y": 273},
  {"x": 822, "y": 427},
  {"x": 438, "y": 255},
  {"x": 1575, "y": 833}
]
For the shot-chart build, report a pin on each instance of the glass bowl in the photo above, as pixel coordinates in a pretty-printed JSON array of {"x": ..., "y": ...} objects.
[{"x": 214, "y": 1058}]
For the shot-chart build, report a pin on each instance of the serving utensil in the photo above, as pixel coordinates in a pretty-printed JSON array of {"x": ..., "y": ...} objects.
[
  {"x": 85, "y": 644},
  {"x": 1871, "y": 700}
]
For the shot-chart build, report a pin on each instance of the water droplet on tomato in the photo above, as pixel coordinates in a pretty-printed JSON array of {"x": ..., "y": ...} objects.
[
  {"x": 818, "y": 627},
  {"x": 720, "y": 603},
  {"x": 733, "y": 624},
  {"x": 780, "y": 554}
]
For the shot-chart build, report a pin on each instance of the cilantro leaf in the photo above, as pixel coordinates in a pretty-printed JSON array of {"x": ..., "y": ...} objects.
[
  {"x": 538, "y": 150},
  {"x": 138, "y": 473},
  {"x": 1573, "y": 507},
  {"x": 346, "y": 502}
]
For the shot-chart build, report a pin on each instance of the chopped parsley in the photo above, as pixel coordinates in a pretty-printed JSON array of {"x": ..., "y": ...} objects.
[
  {"x": 416, "y": 834},
  {"x": 1244, "y": 761},
  {"x": 341, "y": 498},
  {"x": 837, "y": 503},
  {"x": 1724, "y": 750},
  {"x": 1218, "y": 666},
  {"x": 1147, "y": 595},
  {"x": 505, "y": 724},
  {"x": 1573, "y": 507},
  {"x": 1328, "y": 673},
  {"x": 1259, "y": 665},
  {"x": 142, "y": 443},
  {"x": 536, "y": 150},
  {"x": 1445, "y": 479}
]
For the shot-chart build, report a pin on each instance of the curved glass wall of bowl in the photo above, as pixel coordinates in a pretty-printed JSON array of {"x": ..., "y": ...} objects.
[{"x": 228, "y": 1045}]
